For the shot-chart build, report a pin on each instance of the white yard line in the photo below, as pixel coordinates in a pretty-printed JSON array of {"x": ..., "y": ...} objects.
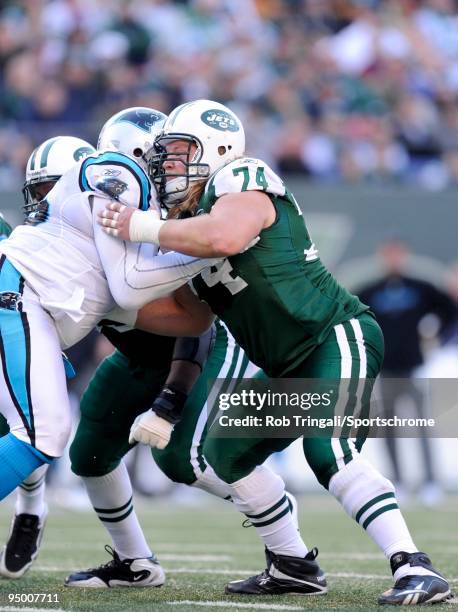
[
  {"x": 194, "y": 558},
  {"x": 229, "y": 572},
  {"x": 22, "y": 609},
  {"x": 226, "y": 551},
  {"x": 231, "y": 604}
]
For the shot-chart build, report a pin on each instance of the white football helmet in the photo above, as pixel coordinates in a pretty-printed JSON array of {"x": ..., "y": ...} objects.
[
  {"x": 132, "y": 131},
  {"x": 216, "y": 132},
  {"x": 48, "y": 163}
]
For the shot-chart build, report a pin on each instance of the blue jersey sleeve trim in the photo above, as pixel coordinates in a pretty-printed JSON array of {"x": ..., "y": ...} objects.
[{"x": 118, "y": 159}]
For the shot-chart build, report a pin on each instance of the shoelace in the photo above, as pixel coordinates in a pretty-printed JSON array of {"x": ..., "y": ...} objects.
[
  {"x": 115, "y": 561},
  {"x": 265, "y": 574}
]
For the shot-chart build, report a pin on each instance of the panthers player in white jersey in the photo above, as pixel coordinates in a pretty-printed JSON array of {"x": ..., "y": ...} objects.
[
  {"x": 45, "y": 166},
  {"x": 47, "y": 163},
  {"x": 59, "y": 276}
]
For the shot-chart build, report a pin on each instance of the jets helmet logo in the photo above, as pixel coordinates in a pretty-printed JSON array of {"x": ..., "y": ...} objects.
[
  {"x": 82, "y": 152},
  {"x": 143, "y": 119},
  {"x": 220, "y": 120}
]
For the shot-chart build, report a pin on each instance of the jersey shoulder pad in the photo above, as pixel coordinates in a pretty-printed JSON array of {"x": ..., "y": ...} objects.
[
  {"x": 117, "y": 176},
  {"x": 246, "y": 174}
]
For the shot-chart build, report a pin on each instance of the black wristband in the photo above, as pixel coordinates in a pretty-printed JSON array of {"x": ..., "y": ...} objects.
[{"x": 169, "y": 404}]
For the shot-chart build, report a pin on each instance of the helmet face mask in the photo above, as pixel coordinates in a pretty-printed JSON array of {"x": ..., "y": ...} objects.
[
  {"x": 36, "y": 190},
  {"x": 47, "y": 163},
  {"x": 172, "y": 185},
  {"x": 217, "y": 135}
]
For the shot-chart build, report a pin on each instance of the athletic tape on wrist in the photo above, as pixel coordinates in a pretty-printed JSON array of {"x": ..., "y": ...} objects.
[{"x": 145, "y": 226}]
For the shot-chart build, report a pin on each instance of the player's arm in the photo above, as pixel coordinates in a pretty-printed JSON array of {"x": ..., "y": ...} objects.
[
  {"x": 235, "y": 220},
  {"x": 154, "y": 427},
  {"x": 135, "y": 276},
  {"x": 181, "y": 314}
]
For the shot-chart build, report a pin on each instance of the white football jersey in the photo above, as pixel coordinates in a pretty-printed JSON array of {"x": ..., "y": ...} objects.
[{"x": 79, "y": 272}]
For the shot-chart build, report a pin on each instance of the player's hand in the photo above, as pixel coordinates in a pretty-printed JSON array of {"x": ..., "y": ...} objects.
[
  {"x": 115, "y": 219},
  {"x": 149, "y": 428}
]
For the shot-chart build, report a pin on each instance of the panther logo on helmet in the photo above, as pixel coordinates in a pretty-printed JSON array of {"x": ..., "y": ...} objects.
[
  {"x": 132, "y": 131},
  {"x": 143, "y": 118}
]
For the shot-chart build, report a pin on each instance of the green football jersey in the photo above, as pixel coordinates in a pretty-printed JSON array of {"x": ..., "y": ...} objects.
[
  {"x": 5, "y": 228},
  {"x": 277, "y": 298}
]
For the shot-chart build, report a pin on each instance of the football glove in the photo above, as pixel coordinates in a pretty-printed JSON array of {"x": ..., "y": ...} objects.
[
  {"x": 151, "y": 429},
  {"x": 154, "y": 427}
]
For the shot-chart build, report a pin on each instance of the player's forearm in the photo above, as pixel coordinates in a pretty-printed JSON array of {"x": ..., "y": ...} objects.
[
  {"x": 168, "y": 317},
  {"x": 136, "y": 278},
  {"x": 201, "y": 236}
]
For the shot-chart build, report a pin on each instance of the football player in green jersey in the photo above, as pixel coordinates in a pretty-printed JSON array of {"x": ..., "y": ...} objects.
[
  {"x": 293, "y": 320},
  {"x": 123, "y": 388}
]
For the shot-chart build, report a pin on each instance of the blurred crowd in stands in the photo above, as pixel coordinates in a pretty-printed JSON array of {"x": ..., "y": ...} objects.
[{"x": 338, "y": 90}]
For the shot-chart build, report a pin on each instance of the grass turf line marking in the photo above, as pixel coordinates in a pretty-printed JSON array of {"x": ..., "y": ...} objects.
[
  {"x": 231, "y": 604},
  {"x": 229, "y": 572},
  {"x": 194, "y": 558},
  {"x": 22, "y": 609}
]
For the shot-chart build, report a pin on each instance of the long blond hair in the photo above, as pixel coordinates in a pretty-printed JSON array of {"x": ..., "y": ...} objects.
[{"x": 188, "y": 207}]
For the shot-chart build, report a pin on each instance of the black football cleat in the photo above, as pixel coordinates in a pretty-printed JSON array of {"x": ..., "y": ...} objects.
[
  {"x": 117, "y": 573},
  {"x": 416, "y": 589},
  {"x": 23, "y": 544},
  {"x": 294, "y": 575}
]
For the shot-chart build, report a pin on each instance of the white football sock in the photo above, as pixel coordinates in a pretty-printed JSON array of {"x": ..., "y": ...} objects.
[
  {"x": 210, "y": 482},
  {"x": 30, "y": 497},
  {"x": 261, "y": 497},
  {"x": 111, "y": 496},
  {"x": 369, "y": 498}
]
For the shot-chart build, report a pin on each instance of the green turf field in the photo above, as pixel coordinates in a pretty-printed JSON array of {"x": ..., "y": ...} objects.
[{"x": 203, "y": 546}]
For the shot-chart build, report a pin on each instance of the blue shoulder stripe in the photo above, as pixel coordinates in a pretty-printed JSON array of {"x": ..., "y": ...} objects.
[{"x": 118, "y": 159}]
